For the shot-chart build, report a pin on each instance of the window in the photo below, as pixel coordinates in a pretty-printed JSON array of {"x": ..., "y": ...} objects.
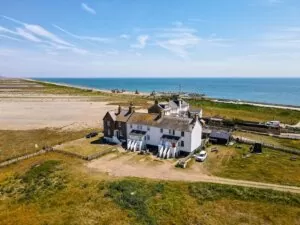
[
  {"x": 108, "y": 123},
  {"x": 148, "y": 128},
  {"x": 131, "y": 126},
  {"x": 121, "y": 133},
  {"x": 170, "y": 131},
  {"x": 148, "y": 137},
  {"x": 119, "y": 124},
  {"x": 108, "y": 132},
  {"x": 139, "y": 127},
  {"x": 161, "y": 130},
  {"x": 182, "y": 133},
  {"x": 182, "y": 143},
  {"x": 173, "y": 132}
]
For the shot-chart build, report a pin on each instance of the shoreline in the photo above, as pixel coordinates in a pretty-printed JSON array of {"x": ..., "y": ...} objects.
[{"x": 218, "y": 100}]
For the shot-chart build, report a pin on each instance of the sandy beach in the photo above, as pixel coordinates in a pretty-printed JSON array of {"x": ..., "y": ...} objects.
[
  {"x": 20, "y": 114},
  {"x": 22, "y": 107}
]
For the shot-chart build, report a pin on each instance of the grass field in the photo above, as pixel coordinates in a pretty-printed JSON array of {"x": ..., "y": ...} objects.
[
  {"x": 85, "y": 147},
  {"x": 270, "y": 167},
  {"x": 54, "y": 189},
  {"x": 295, "y": 144},
  {"x": 246, "y": 112},
  {"x": 15, "y": 143}
]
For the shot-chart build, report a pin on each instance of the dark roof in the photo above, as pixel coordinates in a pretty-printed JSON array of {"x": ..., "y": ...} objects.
[
  {"x": 176, "y": 123},
  {"x": 220, "y": 135},
  {"x": 144, "y": 118},
  {"x": 175, "y": 103},
  {"x": 112, "y": 115},
  {"x": 123, "y": 116},
  {"x": 170, "y": 137},
  {"x": 138, "y": 132},
  {"x": 166, "y": 122}
]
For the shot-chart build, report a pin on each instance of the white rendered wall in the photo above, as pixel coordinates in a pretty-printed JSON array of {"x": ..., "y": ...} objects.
[
  {"x": 155, "y": 136},
  {"x": 196, "y": 136}
]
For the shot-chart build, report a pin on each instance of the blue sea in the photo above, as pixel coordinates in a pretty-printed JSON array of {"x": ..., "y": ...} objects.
[{"x": 267, "y": 90}]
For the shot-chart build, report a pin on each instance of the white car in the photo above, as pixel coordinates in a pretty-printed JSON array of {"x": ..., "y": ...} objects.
[{"x": 201, "y": 156}]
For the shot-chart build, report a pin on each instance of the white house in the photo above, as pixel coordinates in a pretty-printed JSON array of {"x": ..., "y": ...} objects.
[{"x": 170, "y": 135}]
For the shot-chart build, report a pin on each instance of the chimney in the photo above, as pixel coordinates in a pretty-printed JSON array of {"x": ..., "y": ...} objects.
[
  {"x": 156, "y": 102},
  {"x": 160, "y": 115},
  {"x": 131, "y": 108},
  {"x": 196, "y": 117},
  {"x": 119, "y": 109}
]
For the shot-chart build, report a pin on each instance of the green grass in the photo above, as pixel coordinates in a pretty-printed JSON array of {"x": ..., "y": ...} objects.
[
  {"x": 56, "y": 189},
  {"x": 295, "y": 144},
  {"x": 85, "y": 147},
  {"x": 271, "y": 166},
  {"x": 14, "y": 143},
  {"x": 40, "y": 181},
  {"x": 246, "y": 112},
  {"x": 169, "y": 202}
]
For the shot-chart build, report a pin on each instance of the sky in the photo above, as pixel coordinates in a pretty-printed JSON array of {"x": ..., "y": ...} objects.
[{"x": 143, "y": 38}]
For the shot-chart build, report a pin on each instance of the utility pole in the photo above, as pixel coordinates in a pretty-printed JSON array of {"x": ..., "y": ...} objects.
[{"x": 179, "y": 89}]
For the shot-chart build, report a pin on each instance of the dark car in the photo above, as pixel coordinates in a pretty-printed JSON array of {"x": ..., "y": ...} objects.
[{"x": 92, "y": 134}]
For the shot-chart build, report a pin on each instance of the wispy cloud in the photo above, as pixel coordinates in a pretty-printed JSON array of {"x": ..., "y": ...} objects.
[
  {"x": 40, "y": 31},
  {"x": 80, "y": 37},
  {"x": 141, "y": 41},
  {"x": 23, "y": 33},
  {"x": 125, "y": 36},
  {"x": 36, "y": 30},
  {"x": 39, "y": 35},
  {"x": 88, "y": 9},
  {"x": 177, "y": 39},
  {"x": 286, "y": 38},
  {"x": 10, "y": 38}
]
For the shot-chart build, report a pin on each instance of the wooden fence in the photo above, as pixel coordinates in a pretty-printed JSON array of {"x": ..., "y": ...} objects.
[
  {"x": 88, "y": 158},
  {"x": 240, "y": 139},
  {"x": 20, "y": 158}
]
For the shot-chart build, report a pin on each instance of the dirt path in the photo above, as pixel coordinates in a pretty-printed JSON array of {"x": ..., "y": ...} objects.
[{"x": 127, "y": 165}]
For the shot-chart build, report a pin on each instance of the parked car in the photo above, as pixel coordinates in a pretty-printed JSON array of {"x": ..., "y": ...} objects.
[
  {"x": 201, "y": 156},
  {"x": 273, "y": 123},
  {"x": 92, "y": 134}
]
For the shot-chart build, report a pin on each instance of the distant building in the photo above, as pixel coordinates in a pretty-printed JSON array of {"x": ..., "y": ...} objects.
[{"x": 174, "y": 107}]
